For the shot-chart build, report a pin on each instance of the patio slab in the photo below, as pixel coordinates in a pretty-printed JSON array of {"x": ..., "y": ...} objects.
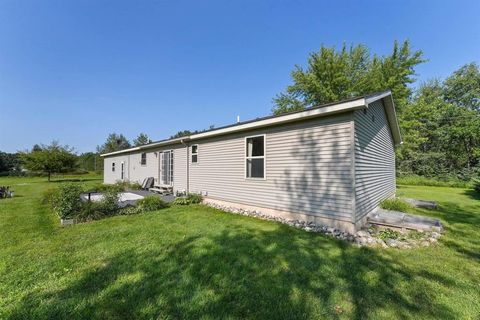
[{"x": 405, "y": 221}]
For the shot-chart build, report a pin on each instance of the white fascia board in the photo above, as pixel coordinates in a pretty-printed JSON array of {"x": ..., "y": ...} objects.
[
  {"x": 324, "y": 111},
  {"x": 145, "y": 147},
  {"x": 309, "y": 113}
]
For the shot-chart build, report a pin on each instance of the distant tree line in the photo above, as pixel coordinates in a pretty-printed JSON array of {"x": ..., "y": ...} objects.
[{"x": 439, "y": 120}]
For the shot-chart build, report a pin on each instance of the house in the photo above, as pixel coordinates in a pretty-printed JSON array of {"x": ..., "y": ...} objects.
[{"x": 330, "y": 164}]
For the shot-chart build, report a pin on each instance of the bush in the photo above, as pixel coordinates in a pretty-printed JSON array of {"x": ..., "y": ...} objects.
[
  {"x": 395, "y": 205},
  {"x": 118, "y": 186},
  {"x": 415, "y": 180},
  {"x": 49, "y": 196},
  {"x": 151, "y": 203},
  {"x": 67, "y": 203},
  {"x": 476, "y": 185},
  {"x": 192, "y": 198},
  {"x": 182, "y": 201}
]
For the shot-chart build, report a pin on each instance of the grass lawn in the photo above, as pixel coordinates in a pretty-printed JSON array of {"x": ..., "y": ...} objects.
[{"x": 197, "y": 262}]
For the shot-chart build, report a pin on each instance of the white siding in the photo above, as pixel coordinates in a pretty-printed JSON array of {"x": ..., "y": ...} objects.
[
  {"x": 374, "y": 159},
  {"x": 180, "y": 168},
  {"x": 110, "y": 176},
  {"x": 308, "y": 169}
]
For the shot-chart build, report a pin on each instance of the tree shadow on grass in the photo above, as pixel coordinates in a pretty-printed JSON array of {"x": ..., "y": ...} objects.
[{"x": 244, "y": 273}]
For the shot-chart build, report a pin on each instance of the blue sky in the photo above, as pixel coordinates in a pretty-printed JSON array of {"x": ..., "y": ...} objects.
[{"x": 77, "y": 70}]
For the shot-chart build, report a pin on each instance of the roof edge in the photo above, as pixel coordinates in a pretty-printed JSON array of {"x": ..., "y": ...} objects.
[{"x": 318, "y": 111}]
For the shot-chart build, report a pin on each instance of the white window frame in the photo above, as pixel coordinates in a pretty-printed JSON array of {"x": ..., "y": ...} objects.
[
  {"x": 255, "y": 157},
  {"x": 141, "y": 156},
  {"x": 191, "y": 153}
]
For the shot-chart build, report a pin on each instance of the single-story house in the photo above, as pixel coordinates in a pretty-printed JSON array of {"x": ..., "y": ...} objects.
[{"x": 330, "y": 164}]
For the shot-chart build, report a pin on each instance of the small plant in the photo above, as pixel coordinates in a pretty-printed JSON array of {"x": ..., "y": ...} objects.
[
  {"x": 192, "y": 198},
  {"x": 151, "y": 203},
  {"x": 395, "y": 205},
  {"x": 67, "y": 202},
  {"x": 388, "y": 234}
]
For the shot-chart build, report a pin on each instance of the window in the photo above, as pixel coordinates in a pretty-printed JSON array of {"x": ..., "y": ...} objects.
[
  {"x": 113, "y": 166},
  {"x": 195, "y": 153},
  {"x": 255, "y": 157},
  {"x": 143, "y": 160}
]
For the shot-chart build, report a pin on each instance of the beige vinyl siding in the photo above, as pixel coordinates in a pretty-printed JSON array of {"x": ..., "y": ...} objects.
[
  {"x": 110, "y": 177},
  {"x": 139, "y": 172},
  {"x": 180, "y": 168},
  {"x": 308, "y": 168},
  {"x": 374, "y": 159}
]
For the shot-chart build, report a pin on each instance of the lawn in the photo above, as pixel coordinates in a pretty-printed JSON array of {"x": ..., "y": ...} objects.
[{"x": 197, "y": 262}]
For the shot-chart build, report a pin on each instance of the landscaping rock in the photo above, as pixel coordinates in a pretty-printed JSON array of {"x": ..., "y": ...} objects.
[{"x": 369, "y": 237}]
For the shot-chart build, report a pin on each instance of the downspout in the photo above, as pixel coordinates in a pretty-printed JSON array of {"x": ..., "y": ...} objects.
[{"x": 188, "y": 166}]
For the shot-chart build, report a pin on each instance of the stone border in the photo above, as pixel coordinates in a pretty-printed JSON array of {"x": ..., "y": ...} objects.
[{"x": 363, "y": 238}]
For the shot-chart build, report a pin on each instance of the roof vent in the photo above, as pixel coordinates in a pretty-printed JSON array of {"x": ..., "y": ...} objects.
[{"x": 238, "y": 119}]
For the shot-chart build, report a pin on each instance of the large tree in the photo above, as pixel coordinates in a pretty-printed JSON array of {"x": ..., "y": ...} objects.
[
  {"x": 462, "y": 88},
  {"x": 115, "y": 142},
  {"x": 53, "y": 158},
  {"x": 141, "y": 140},
  {"x": 333, "y": 75},
  {"x": 9, "y": 162}
]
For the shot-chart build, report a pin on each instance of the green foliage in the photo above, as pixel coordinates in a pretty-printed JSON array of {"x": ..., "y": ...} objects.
[
  {"x": 9, "y": 162},
  {"x": 53, "y": 158},
  {"x": 415, "y": 180},
  {"x": 395, "y": 205},
  {"x": 141, "y": 139},
  {"x": 462, "y": 88},
  {"x": 151, "y": 203},
  {"x": 476, "y": 185},
  {"x": 115, "y": 142},
  {"x": 334, "y": 75},
  {"x": 192, "y": 198},
  {"x": 118, "y": 186},
  {"x": 388, "y": 234},
  {"x": 90, "y": 161},
  {"x": 49, "y": 195},
  {"x": 66, "y": 202}
]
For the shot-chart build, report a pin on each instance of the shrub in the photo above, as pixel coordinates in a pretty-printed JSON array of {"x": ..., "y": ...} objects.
[
  {"x": 182, "y": 201},
  {"x": 476, "y": 185},
  {"x": 395, "y": 205},
  {"x": 151, "y": 203},
  {"x": 192, "y": 198},
  {"x": 49, "y": 196},
  {"x": 415, "y": 180},
  {"x": 118, "y": 186},
  {"x": 129, "y": 210},
  {"x": 388, "y": 234},
  {"x": 108, "y": 206},
  {"x": 67, "y": 203}
]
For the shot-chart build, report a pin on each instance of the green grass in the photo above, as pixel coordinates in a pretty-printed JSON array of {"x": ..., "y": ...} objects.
[
  {"x": 395, "y": 205},
  {"x": 414, "y": 180},
  {"x": 197, "y": 262}
]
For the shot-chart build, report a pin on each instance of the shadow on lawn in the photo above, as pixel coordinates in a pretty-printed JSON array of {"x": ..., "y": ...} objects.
[{"x": 245, "y": 274}]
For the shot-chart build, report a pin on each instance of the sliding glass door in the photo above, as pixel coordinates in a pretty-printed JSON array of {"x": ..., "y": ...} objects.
[{"x": 166, "y": 171}]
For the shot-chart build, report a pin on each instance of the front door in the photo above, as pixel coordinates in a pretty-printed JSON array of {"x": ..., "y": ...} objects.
[{"x": 166, "y": 171}]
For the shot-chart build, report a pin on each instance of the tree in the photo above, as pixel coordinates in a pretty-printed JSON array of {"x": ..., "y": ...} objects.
[
  {"x": 52, "y": 158},
  {"x": 9, "y": 162},
  {"x": 141, "y": 140},
  {"x": 182, "y": 133},
  {"x": 336, "y": 75},
  {"x": 463, "y": 87},
  {"x": 115, "y": 142}
]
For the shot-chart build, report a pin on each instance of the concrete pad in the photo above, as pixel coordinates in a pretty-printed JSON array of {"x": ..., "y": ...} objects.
[{"x": 402, "y": 220}]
